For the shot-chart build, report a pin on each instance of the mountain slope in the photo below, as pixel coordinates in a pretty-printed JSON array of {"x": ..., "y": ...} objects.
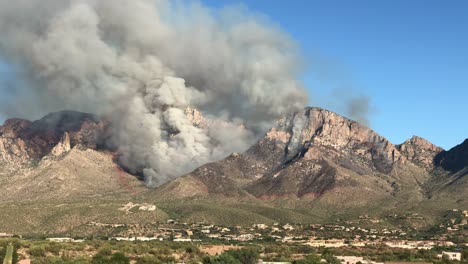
[
  {"x": 450, "y": 177},
  {"x": 313, "y": 165},
  {"x": 319, "y": 160},
  {"x": 305, "y": 148},
  {"x": 55, "y": 178}
]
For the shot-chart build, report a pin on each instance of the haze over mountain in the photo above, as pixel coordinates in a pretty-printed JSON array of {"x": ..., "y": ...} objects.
[{"x": 312, "y": 165}]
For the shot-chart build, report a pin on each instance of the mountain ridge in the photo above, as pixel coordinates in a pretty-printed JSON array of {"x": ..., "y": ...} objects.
[
  {"x": 304, "y": 135},
  {"x": 313, "y": 164}
]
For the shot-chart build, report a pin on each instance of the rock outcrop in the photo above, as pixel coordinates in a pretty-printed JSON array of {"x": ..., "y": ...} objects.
[
  {"x": 23, "y": 142},
  {"x": 311, "y": 152},
  {"x": 301, "y": 133},
  {"x": 194, "y": 116},
  {"x": 420, "y": 151},
  {"x": 63, "y": 147},
  {"x": 312, "y": 161},
  {"x": 306, "y": 154}
]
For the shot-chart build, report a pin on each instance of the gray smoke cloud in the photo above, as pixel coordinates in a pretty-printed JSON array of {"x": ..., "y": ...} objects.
[
  {"x": 359, "y": 109},
  {"x": 141, "y": 64}
]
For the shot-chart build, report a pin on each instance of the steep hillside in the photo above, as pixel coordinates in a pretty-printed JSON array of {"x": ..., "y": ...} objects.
[
  {"x": 454, "y": 160},
  {"x": 319, "y": 160},
  {"x": 54, "y": 177},
  {"x": 449, "y": 180}
]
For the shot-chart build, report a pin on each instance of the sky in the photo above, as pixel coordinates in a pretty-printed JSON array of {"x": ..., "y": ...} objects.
[{"x": 409, "y": 57}]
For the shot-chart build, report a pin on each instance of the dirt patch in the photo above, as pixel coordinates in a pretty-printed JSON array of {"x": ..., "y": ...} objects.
[{"x": 213, "y": 250}]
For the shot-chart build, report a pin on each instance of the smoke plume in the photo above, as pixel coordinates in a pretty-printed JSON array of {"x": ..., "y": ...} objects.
[
  {"x": 142, "y": 64},
  {"x": 359, "y": 109}
]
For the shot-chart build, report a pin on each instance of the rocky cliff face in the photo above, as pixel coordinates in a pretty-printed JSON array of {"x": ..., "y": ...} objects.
[
  {"x": 420, "y": 151},
  {"x": 63, "y": 147},
  {"x": 314, "y": 160},
  {"x": 309, "y": 133},
  {"x": 23, "y": 142},
  {"x": 306, "y": 154},
  {"x": 59, "y": 158}
]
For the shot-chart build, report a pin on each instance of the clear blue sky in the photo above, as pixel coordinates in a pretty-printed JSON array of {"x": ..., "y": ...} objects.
[{"x": 409, "y": 56}]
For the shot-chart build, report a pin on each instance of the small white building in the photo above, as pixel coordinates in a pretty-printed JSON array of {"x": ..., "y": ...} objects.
[
  {"x": 451, "y": 255},
  {"x": 59, "y": 239},
  {"x": 182, "y": 240}
]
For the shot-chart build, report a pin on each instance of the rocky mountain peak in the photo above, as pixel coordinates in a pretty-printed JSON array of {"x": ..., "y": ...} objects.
[
  {"x": 421, "y": 143},
  {"x": 64, "y": 146},
  {"x": 12, "y": 127},
  {"x": 194, "y": 116},
  {"x": 306, "y": 153},
  {"x": 420, "y": 151},
  {"x": 23, "y": 142},
  {"x": 305, "y": 132}
]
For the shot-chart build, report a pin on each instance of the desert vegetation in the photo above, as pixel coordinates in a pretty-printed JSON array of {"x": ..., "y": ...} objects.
[{"x": 154, "y": 252}]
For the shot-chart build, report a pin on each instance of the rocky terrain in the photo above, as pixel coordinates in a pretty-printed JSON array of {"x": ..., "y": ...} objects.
[
  {"x": 58, "y": 158},
  {"x": 55, "y": 174},
  {"x": 23, "y": 142},
  {"x": 319, "y": 160},
  {"x": 313, "y": 165}
]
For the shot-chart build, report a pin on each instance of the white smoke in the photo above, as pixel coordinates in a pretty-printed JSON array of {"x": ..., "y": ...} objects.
[{"x": 141, "y": 63}]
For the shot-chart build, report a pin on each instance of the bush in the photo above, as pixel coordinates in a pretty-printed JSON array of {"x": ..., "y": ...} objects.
[
  {"x": 245, "y": 255},
  {"x": 37, "y": 251},
  {"x": 54, "y": 248},
  {"x": 116, "y": 258},
  {"x": 119, "y": 258},
  {"x": 221, "y": 259},
  {"x": 310, "y": 259},
  {"x": 148, "y": 259},
  {"x": 58, "y": 260},
  {"x": 240, "y": 256},
  {"x": 105, "y": 251}
]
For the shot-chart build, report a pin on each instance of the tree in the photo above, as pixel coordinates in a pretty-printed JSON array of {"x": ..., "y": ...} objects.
[
  {"x": 8, "y": 255},
  {"x": 6, "y": 252},
  {"x": 116, "y": 258},
  {"x": 221, "y": 259},
  {"x": 328, "y": 256},
  {"x": 119, "y": 258},
  {"x": 245, "y": 255},
  {"x": 465, "y": 254}
]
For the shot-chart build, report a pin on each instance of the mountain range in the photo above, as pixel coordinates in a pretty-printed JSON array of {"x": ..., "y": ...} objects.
[{"x": 313, "y": 165}]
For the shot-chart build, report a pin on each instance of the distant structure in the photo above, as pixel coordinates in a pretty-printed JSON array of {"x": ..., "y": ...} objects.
[{"x": 451, "y": 255}]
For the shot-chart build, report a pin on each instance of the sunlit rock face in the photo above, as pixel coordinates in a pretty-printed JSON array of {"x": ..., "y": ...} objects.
[{"x": 420, "y": 151}]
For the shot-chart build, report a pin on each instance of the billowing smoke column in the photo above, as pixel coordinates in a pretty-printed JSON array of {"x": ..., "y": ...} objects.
[{"x": 141, "y": 64}]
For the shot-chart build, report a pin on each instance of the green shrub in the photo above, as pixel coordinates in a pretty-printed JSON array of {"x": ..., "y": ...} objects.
[
  {"x": 116, "y": 258},
  {"x": 37, "y": 251},
  {"x": 221, "y": 259}
]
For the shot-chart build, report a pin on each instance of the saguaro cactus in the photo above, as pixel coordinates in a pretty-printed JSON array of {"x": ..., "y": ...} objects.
[{"x": 9, "y": 255}]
